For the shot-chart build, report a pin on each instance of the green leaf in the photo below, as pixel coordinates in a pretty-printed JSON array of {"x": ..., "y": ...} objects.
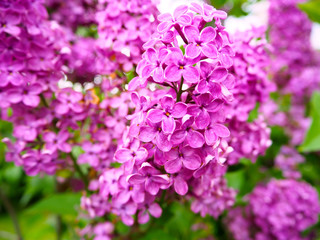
[
  {"x": 235, "y": 179},
  {"x": 312, "y": 139},
  {"x": 312, "y": 9},
  {"x": 157, "y": 234},
  {"x": 77, "y": 151},
  {"x": 64, "y": 204},
  {"x": 254, "y": 113},
  {"x": 37, "y": 186}
]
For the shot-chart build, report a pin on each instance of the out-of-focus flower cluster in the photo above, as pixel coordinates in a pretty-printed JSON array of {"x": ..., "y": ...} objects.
[
  {"x": 249, "y": 137},
  {"x": 295, "y": 70},
  {"x": 72, "y": 14},
  {"x": 123, "y": 27},
  {"x": 30, "y": 65},
  {"x": 168, "y": 132},
  {"x": 280, "y": 210},
  {"x": 176, "y": 139}
]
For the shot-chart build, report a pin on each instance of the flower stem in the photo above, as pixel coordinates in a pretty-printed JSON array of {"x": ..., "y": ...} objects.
[
  {"x": 43, "y": 100},
  {"x": 178, "y": 28},
  {"x": 180, "y": 90},
  {"x": 12, "y": 213},
  {"x": 78, "y": 169}
]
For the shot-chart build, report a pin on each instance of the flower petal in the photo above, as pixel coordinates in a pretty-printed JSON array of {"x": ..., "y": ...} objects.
[
  {"x": 203, "y": 119},
  {"x": 147, "y": 134},
  {"x": 221, "y": 130},
  {"x": 173, "y": 73},
  {"x": 178, "y": 137},
  {"x": 179, "y": 110},
  {"x": 152, "y": 187},
  {"x": 168, "y": 125},
  {"x": 192, "y": 162},
  {"x": 195, "y": 139},
  {"x": 155, "y": 115},
  {"x": 179, "y": 11},
  {"x": 210, "y": 136},
  {"x": 209, "y": 50},
  {"x": 192, "y": 33},
  {"x": 192, "y": 50},
  {"x": 180, "y": 186},
  {"x": 173, "y": 166},
  {"x": 167, "y": 102},
  {"x": 123, "y": 155},
  {"x": 219, "y": 74},
  {"x": 208, "y": 34},
  {"x": 155, "y": 210},
  {"x": 151, "y": 55},
  {"x": 191, "y": 74},
  {"x": 163, "y": 143},
  {"x": 135, "y": 179}
]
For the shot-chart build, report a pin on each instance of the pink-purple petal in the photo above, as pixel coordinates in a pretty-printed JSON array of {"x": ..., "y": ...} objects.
[
  {"x": 135, "y": 179},
  {"x": 147, "y": 134},
  {"x": 191, "y": 74},
  {"x": 195, "y": 139},
  {"x": 152, "y": 187},
  {"x": 203, "y": 119},
  {"x": 123, "y": 155},
  {"x": 192, "y": 162},
  {"x": 208, "y": 34},
  {"x": 179, "y": 110},
  {"x": 180, "y": 186},
  {"x": 173, "y": 166},
  {"x": 221, "y": 130},
  {"x": 168, "y": 125},
  {"x": 209, "y": 50},
  {"x": 155, "y": 115},
  {"x": 155, "y": 210},
  {"x": 192, "y": 50},
  {"x": 192, "y": 33},
  {"x": 173, "y": 73}
]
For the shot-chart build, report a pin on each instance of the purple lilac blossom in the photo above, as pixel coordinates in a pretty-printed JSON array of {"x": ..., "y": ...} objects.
[
  {"x": 280, "y": 210},
  {"x": 179, "y": 130}
]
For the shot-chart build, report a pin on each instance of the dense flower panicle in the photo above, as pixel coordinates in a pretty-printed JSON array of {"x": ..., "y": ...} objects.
[
  {"x": 49, "y": 120},
  {"x": 287, "y": 160},
  {"x": 99, "y": 231},
  {"x": 183, "y": 121},
  {"x": 251, "y": 87},
  {"x": 123, "y": 27},
  {"x": 248, "y": 140},
  {"x": 176, "y": 138},
  {"x": 282, "y": 209},
  {"x": 72, "y": 13},
  {"x": 294, "y": 66},
  {"x": 291, "y": 44},
  {"x": 294, "y": 69},
  {"x": 30, "y": 67},
  {"x": 250, "y": 67},
  {"x": 213, "y": 196}
]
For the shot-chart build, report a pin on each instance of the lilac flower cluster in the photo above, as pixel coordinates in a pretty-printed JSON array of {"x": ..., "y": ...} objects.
[
  {"x": 102, "y": 231},
  {"x": 291, "y": 44},
  {"x": 287, "y": 160},
  {"x": 248, "y": 139},
  {"x": 281, "y": 210},
  {"x": 123, "y": 27},
  {"x": 295, "y": 70},
  {"x": 30, "y": 57},
  {"x": 72, "y": 13},
  {"x": 49, "y": 120},
  {"x": 251, "y": 87},
  {"x": 176, "y": 138},
  {"x": 294, "y": 61}
]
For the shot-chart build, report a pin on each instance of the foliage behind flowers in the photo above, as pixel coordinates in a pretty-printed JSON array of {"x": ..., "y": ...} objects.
[{"x": 166, "y": 126}]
